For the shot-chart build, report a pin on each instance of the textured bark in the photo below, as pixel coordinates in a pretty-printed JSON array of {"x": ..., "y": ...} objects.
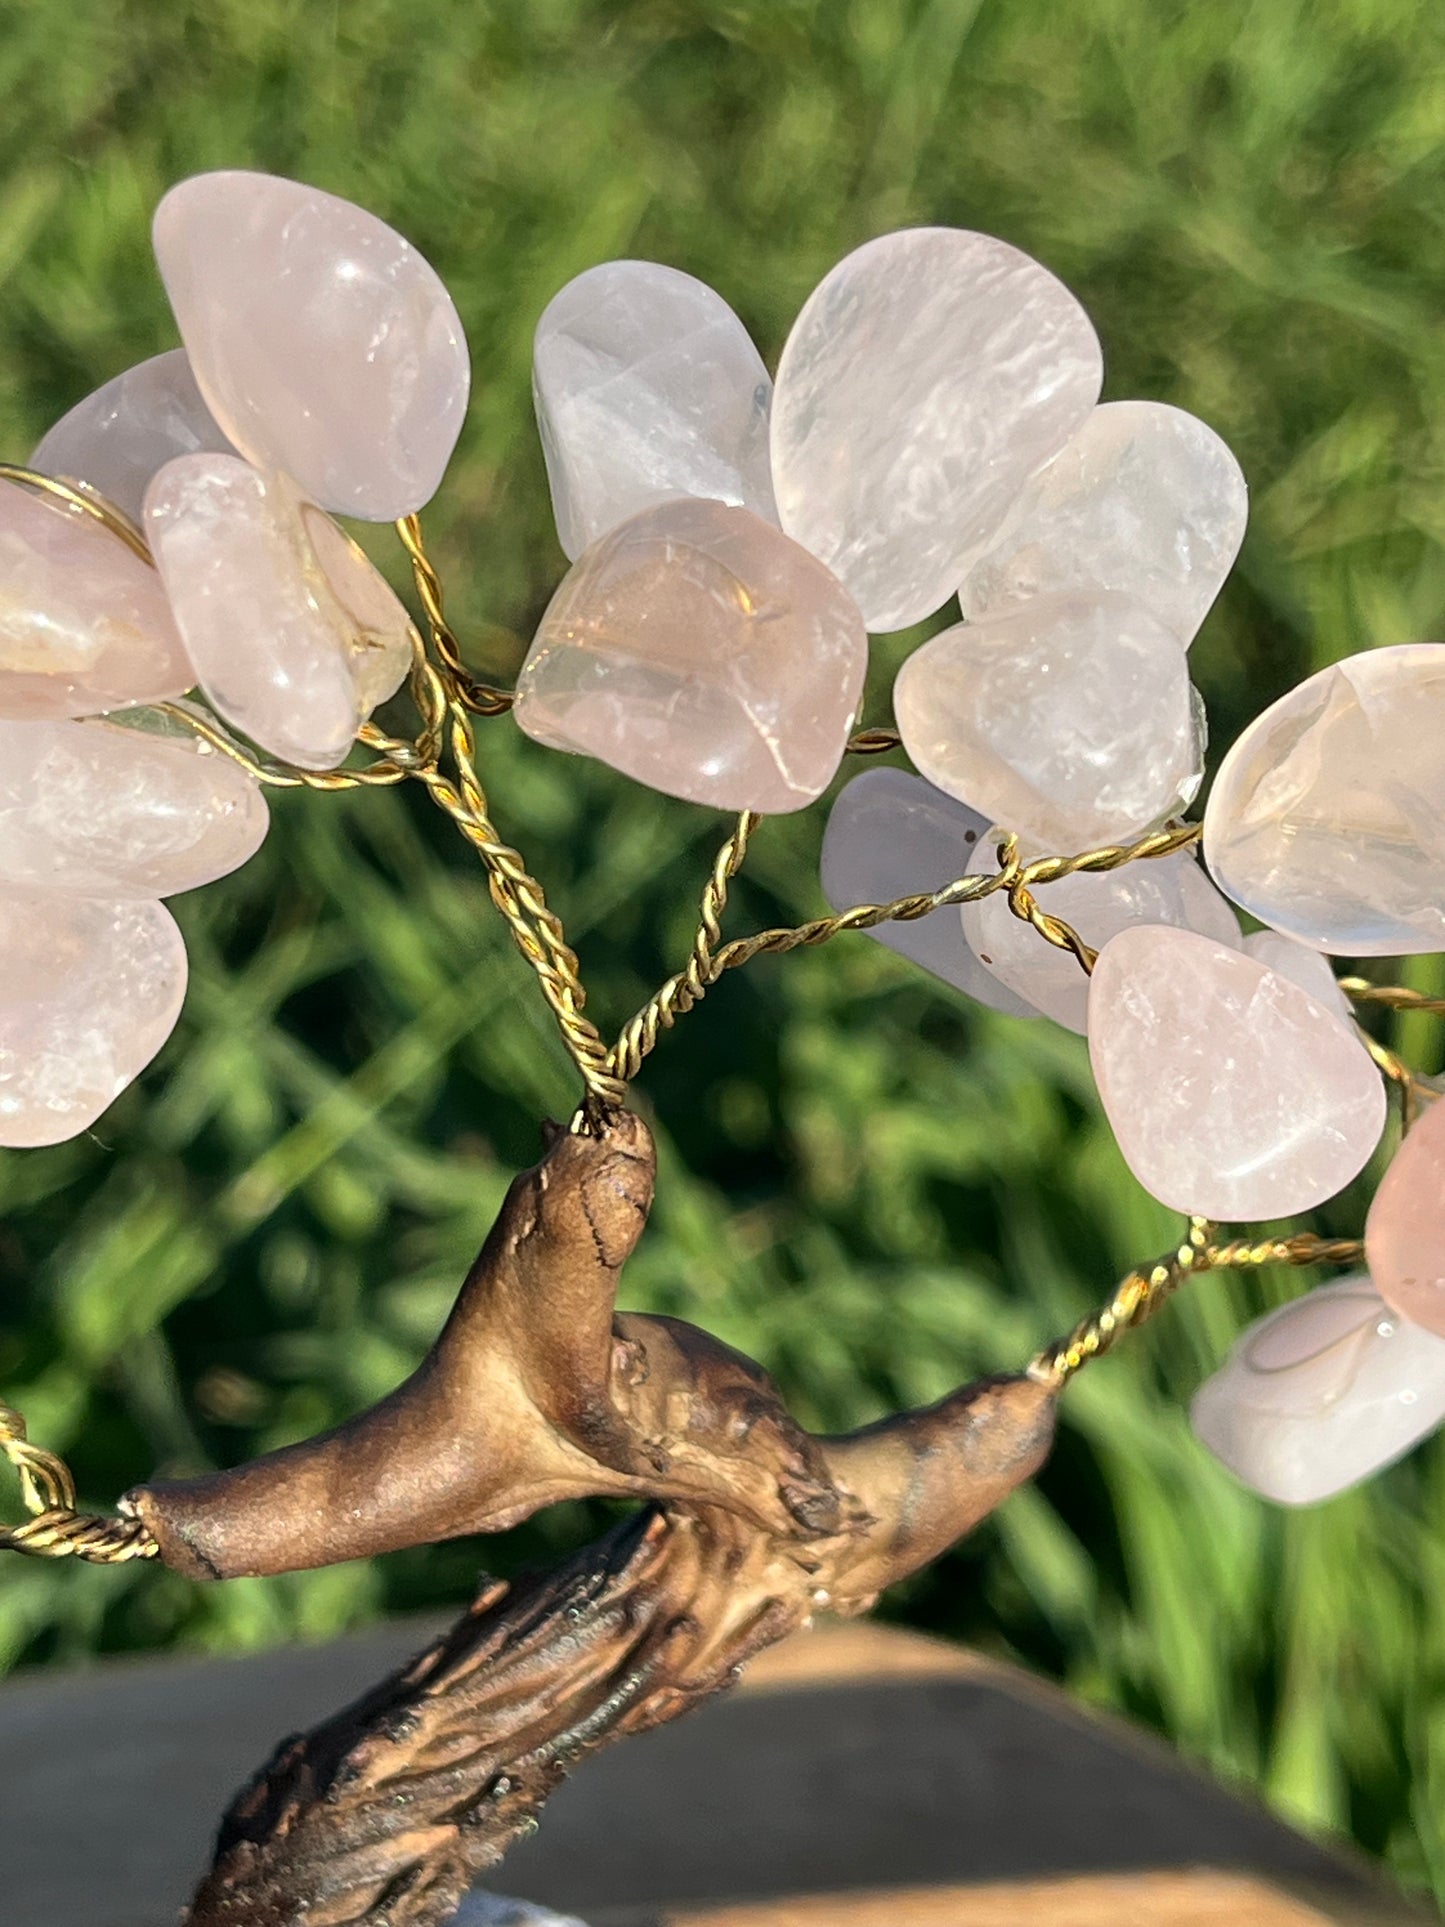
[{"x": 538, "y": 1390}]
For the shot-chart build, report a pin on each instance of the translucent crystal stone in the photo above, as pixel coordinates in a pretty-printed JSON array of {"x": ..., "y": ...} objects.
[
  {"x": 1302, "y": 966},
  {"x": 1231, "y": 1092},
  {"x": 1144, "y": 500},
  {"x": 698, "y": 650},
  {"x": 647, "y": 387},
  {"x": 95, "y": 809},
  {"x": 1321, "y": 1393},
  {"x": 324, "y": 344},
  {"x": 1327, "y": 818},
  {"x": 89, "y": 991},
  {"x": 84, "y": 623},
  {"x": 927, "y": 377},
  {"x": 892, "y": 835},
  {"x": 1405, "y": 1230},
  {"x": 1070, "y": 720},
  {"x": 118, "y": 437},
  {"x": 1167, "y": 889},
  {"x": 294, "y": 635}
]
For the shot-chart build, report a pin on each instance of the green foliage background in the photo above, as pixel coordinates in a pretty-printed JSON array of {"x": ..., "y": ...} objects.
[{"x": 867, "y": 1184}]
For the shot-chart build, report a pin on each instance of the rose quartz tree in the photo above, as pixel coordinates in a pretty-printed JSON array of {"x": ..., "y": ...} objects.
[{"x": 186, "y": 624}]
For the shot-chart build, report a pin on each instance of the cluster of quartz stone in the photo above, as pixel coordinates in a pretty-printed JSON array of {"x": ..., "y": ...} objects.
[
  {"x": 324, "y": 371},
  {"x": 934, "y": 432}
]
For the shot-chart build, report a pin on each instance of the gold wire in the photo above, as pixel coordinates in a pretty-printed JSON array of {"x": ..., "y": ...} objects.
[
  {"x": 56, "y": 1530},
  {"x": 1143, "y": 1291},
  {"x": 479, "y": 697},
  {"x": 687, "y": 987},
  {"x": 80, "y": 495}
]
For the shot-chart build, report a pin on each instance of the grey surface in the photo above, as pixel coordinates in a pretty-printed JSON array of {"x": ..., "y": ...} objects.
[{"x": 915, "y": 1781}]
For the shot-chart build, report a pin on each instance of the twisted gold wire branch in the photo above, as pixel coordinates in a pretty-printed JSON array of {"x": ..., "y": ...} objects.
[
  {"x": 56, "y": 1530},
  {"x": 481, "y": 698},
  {"x": 1142, "y": 1292},
  {"x": 687, "y": 987}
]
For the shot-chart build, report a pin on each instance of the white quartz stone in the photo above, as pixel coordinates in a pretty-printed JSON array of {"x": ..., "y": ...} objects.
[
  {"x": 927, "y": 378},
  {"x": 84, "y": 622},
  {"x": 118, "y": 437},
  {"x": 892, "y": 835},
  {"x": 697, "y": 649},
  {"x": 1327, "y": 817},
  {"x": 1166, "y": 889},
  {"x": 294, "y": 635},
  {"x": 1321, "y": 1393},
  {"x": 1069, "y": 720},
  {"x": 324, "y": 344},
  {"x": 95, "y": 809},
  {"x": 1144, "y": 500},
  {"x": 647, "y": 387},
  {"x": 89, "y": 991},
  {"x": 1301, "y": 965},
  {"x": 1231, "y": 1092}
]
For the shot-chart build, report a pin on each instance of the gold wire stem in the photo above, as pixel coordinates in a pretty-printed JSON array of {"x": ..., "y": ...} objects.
[
  {"x": 56, "y": 1530},
  {"x": 1141, "y": 1294},
  {"x": 1137, "y": 1297},
  {"x": 1393, "y": 996},
  {"x": 483, "y": 699},
  {"x": 80, "y": 495},
  {"x": 687, "y": 987}
]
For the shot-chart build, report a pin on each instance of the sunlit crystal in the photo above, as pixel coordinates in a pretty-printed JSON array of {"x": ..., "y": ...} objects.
[
  {"x": 1160, "y": 890},
  {"x": 1327, "y": 818},
  {"x": 1144, "y": 500},
  {"x": 1322, "y": 1393},
  {"x": 927, "y": 377},
  {"x": 96, "y": 809},
  {"x": 1231, "y": 1092},
  {"x": 1070, "y": 720},
  {"x": 117, "y": 438},
  {"x": 84, "y": 623},
  {"x": 89, "y": 991},
  {"x": 324, "y": 344},
  {"x": 647, "y": 387},
  {"x": 892, "y": 835},
  {"x": 700, "y": 651},
  {"x": 1405, "y": 1231},
  {"x": 294, "y": 635}
]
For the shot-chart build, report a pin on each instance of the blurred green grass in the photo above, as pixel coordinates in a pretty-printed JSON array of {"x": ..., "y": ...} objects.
[{"x": 867, "y": 1185}]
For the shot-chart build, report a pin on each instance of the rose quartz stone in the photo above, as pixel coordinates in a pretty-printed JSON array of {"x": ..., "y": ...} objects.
[
  {"x": 96, "y": 809},
  {"x": 324, "y": 344},
  {"x": 1231, "y": 1092},
  {"x": 294, "y": 635},
  {"x": 1166, "y": 889},
  {"x": 698, "y": 650},
  {"x": 89, "y": 991},
  {"x": 927, "y": 378},
  {"x": 647, "y": 387},
  {"x": 84, "y": 623},
  {"x": 118, "y": 437},
  {"x": 1144, "y": 500},
  {"x": 1405, "y": 1231},
  {"x": 892, "y": 835},
  {"x": 1322, "y": 1393},
  {"x": 1070, "y": 720},
  {"x": 1327, "y": 817}
]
